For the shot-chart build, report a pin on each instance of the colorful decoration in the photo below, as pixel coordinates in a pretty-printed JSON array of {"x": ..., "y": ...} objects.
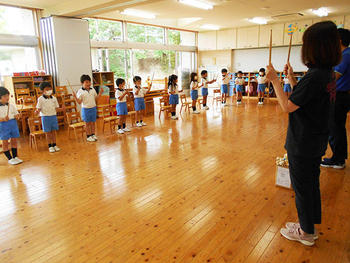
[
  {"x": 282, "y": 161},
  {"x": 291, "y": 29}
]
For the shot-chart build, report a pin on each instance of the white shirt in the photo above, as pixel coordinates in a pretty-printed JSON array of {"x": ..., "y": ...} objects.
[
  {"x": 173, "y": 89},
  {"x": 194, "y": 85},
  {"x": 12, "y": 111},
  {"x": 226, "y": 80},
  {"x": 262, "y": 80},
  {"x": 286, "y": 80},
  {"x": 204, "y": 82},
  {"x": 142, "y": 92},
  {"x": 240, "y": 81},
  {"x": 120, "y": 93},
  {"x": 47, "y": 106},
  {"x": 88, "y": 97}
]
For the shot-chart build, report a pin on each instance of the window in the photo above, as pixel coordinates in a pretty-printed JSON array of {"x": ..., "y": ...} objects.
[
  {"x": 16, "y": 21},
  {"x": 145, "y": 34},
  {"x": 105, "y": 30},
  {"x": 184, "y": 38}
]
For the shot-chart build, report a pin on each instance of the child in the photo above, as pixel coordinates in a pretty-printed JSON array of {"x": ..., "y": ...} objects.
[
  {"x": 204, "y": 84},
  {"x": 122, "y": 108},
  {"x": 140, "y": 106},
  {"x": 194, "y": 91},
  {"x": 47, "y": 106},
  {"x": 224, "y": 86},
  {"x": 239, "y": 86},
  {"x": 174, "y": 95},
  {"x": 261, "y": 86},
  {"x": 286, "y": 87},
  {"x": 88, "y": 97},
  {"x": 8, "y": 127}
]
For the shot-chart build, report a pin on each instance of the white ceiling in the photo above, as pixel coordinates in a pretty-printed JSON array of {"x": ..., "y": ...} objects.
[{"x": 226, "y": 13}]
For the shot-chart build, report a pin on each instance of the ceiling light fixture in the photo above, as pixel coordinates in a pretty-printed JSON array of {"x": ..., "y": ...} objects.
[
  {"x": 197, "y": 3},
  {"x": 138, "y": 13},
  {"x": 210, "y": 27},
  {"x": 322, "y": 11},
  {"x": 258, "y": 20}
]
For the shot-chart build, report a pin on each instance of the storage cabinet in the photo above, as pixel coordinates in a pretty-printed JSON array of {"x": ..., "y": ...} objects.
[
  {"x": 227, "y": 39},
  {"x": 248, "y": 37},
  {"x": 277, "y": 35},
  {"x": 207, "y": 40}
]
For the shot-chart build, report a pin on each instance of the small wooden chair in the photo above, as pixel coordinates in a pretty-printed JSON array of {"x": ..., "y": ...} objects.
[
  {"x": 36, "y": 131},
  {"x": 21, "y": 92},
  {"x": 164, "y": 106},
  {"x": 108, "y": 118},
  {"x": 75, "y": 123},
  {"x": 131, "y": 111},
  {"x": 38, "y": 92},
  {"x": 217, "y": 96},
  {"x": 184, "y": 103},
  {"x": 199, "y": 102}
]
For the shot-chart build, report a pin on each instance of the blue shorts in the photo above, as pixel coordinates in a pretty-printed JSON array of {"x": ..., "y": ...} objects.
[
  {"x": 194, "y": 94},
  {"x": 8, "y": 130},
  {"x": 239, "y": 88},
  {"x": 89, "y": 114},
  {"x": 49, "y": 123},
  {"x": 224, "y": 88},
  {"x": 204, "y": 91},
  {"x": 231, "y": 90},
  {"x": 122, "y": 108},
  {"x": 139, "y": 104},
  {"x": 174, "y": 99},
  {"x": 261, "y": 87},
  {"x": 287, "y": 88}
]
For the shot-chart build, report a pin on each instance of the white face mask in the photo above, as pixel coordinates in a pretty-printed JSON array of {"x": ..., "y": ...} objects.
[{"x": 48, "y": 93}]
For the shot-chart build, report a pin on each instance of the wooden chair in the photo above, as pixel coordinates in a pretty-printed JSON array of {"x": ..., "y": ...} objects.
[
  {"x": 131, "y": 111},
  {"x": 68, "y": 101},
  {"x": 109, "y": 118},
  {"x": 38, "y": 92},
  {"x": 21, "y": 92},
  {"x": 164, "y": 106},
  {"x": 75, "y": 123},
  {"x": 184, "y": 103},
  {"x": 199, "y": 102},
  {"x": 217, "y": 96},
  {"x": 28, "y": 101},
  {"x": 36, "y": 131},
  {"x": 25, "y": 115}
]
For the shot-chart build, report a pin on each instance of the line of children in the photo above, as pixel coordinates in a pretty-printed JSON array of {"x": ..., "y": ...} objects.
[
  {"x": 88, "y": 97},
  {"x": 204, "y": 84},
  {"x": 240, "y": 81},
  {"x": 194, "y": 86},
  {"x": 48, "y": 106},
  {"x": 8, "y": 127},
  {"x": 261, "y": 86},
  {"x": 224, "y": 86},
  {"x": 122, "y": 108},
  {"x": 174, "y": 95},
  {"x": 140, "y": 106}
]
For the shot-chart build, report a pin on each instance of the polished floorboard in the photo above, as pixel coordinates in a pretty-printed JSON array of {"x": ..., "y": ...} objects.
[{"x": 200, "y": 189}]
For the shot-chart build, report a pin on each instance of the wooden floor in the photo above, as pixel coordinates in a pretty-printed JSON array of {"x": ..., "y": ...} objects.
[{"x": 200, "y": 189}]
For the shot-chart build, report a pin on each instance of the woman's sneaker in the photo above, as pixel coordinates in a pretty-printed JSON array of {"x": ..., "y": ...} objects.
[
  {"x": 95, "y": 137},
  {"x": 330, "y": 163},
  {"x": 91, "y": 139},
  {"x": 120, "y": 131},
  {"x": 57, "y": 149},
  {"x": 196, "y": 112},
  {"x": 291, "y": 225},
  {"x": 51, "y": 149},
  {"x": 13, "y": 161},
  {"x": 295, "y": 235},
  {"x": 174, "y": 117},
  {"x": 18, "y": 160},
  {"x": 138, "y": 124}
]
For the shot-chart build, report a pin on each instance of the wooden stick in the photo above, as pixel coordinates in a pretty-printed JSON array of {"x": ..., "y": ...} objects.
[
  {"x": 290, "y": 47},
  {"x": 270, "y": 49}
]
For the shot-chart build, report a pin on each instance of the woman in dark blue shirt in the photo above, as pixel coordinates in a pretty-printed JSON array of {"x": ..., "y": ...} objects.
[{"x": 307, "y": 135}]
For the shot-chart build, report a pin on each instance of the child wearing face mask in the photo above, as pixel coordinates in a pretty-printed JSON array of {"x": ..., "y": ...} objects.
[
  {"x": 48, "y": 106},
  {"x": 261, "y": 86}
]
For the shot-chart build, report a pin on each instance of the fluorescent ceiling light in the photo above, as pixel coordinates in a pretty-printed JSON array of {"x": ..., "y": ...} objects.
[
  {"x": 322, "y": 11},
  {"x": 138, "y": 13},
  {"x": 197, "y": 3},
  {"x": 210, "y": 27},
  {"x": 258, "y": 20}
]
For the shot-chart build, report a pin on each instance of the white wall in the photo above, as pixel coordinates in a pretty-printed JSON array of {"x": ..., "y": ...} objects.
[{"x": 249, "y": 60}]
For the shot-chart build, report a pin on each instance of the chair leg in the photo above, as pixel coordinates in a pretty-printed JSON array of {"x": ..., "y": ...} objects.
[{"x": 75, "y": 134}]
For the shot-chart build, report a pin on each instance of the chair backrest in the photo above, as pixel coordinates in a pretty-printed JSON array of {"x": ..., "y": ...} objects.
[
  {"x": 73, "y": 117},
  {"x": 113, "y": 110},
  {"x": 106, "y": 111},
  {"x": 29, "y": 100},
  {"x": 183, "y": 98},
  {"x": 38, "y": 92},
  {"x": 130, "y": 105},
  {"x": 217, "y": 91},
  {"x": 61, "y": 90},
  {"x": 34, "y": 124},
  {"x": 23, "y": 92}
]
